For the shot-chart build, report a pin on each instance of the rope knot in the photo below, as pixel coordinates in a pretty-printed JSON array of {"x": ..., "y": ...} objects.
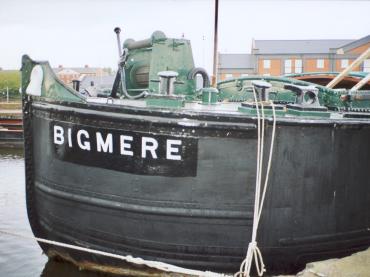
[
  {"x": 253, "y": 252},
  {"x": 252, "y": 245}
]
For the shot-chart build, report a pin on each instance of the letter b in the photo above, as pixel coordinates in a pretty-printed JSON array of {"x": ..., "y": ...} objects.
[{"x": 58, "y": 135}]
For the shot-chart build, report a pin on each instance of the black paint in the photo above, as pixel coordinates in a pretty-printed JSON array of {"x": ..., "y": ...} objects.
[{"x": 314, "y": 207}]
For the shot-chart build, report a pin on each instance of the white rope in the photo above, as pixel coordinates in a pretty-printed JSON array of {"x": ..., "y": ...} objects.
[
  {"x": 270, "y": 157},
  {"x": 253, "y": 250},
  {"x": 138, "y": 261}
]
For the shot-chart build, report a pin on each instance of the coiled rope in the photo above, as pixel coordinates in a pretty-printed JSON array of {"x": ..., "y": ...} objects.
[
  {"x": 253, "y": 250},
  {"x": 138, "y": 261}
]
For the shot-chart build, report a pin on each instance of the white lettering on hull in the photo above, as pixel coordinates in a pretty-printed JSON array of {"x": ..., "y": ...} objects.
[
  {"x": 69, "y": 137},
  {"x": 125, "y": 147},
  {"x": 149, "y": 144},
  {"x": 107, "y": 145},
  {"x": 105, "y": 142},
  {"x": 58, "y": 135},
  {"x": 85, "y": 145},
  {"x": 171, "y": 150}
]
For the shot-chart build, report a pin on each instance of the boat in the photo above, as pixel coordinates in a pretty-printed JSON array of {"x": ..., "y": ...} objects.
[
  {"x": 166, "y": 172},
  {"x": 323, "y": 78},
  {"x": 11, "y": 133}
]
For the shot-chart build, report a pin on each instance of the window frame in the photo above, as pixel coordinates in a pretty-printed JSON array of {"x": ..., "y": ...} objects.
[
  {"x": 366, "y": 65},
  {"x": 342, "y": 61},
  {"x": 288, "y": 69},
  {"x": 228, "y": 76},
  {"x": 296, "y": 67},
  {"x": 266, "y": 64},
  {"x": 319, "y": 65}
]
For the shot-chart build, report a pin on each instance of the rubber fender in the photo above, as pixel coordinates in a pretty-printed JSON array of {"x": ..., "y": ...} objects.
[{"x": 202, "y": 72}]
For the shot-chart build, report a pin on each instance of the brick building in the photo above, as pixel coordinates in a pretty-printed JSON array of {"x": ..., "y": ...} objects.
[
  {"x": 78, "y": 73},
  {"x": 235, "y": 65},
  {"x": 280, "y": 57}
]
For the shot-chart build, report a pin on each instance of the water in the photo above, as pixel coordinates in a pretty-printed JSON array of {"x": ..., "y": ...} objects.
[{"x": 22, "y": 257}]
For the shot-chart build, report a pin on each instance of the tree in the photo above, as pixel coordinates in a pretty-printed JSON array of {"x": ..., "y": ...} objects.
[{"x": 10, "y": 79}]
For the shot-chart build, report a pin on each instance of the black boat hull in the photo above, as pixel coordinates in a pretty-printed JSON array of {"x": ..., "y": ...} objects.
[{"x": 316, "y": 204}]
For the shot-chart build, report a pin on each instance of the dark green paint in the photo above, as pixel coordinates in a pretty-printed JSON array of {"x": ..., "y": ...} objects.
[
  {"x": 209, "y": 96},
  {"x": 163, "y": 54},
  {"x": 52, "y": 88},
  {"x": 165, "y": 102},
  {"x": 307, "y": 113},
  {"x": 267, "y": 112}
]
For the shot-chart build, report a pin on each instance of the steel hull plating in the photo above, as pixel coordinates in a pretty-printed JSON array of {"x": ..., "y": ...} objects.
[{"x": 316, "y": 204}]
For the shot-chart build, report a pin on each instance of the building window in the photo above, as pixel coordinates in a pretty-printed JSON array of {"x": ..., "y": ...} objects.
[
  {"x": 298, "y": 66},
  {"x": 288, "y": 66},
  {"x": 244, "y": 75},
  {"x": 344, "y": 63},
  {"x": 266, "y": 64},
  {"x": 367, "y": 65},
  {"x": 320, "y": 63},
  {"x": 228, "y": 76},
  {"x": 266, "y": 74}
]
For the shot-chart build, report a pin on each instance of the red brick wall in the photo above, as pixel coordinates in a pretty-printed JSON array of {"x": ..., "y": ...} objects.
[{"x": 274, "y": 70}]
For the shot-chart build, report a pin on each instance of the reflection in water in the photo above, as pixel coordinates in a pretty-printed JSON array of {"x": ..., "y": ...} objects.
[
  {"x": 55, "y": 268},
  {"x": 21, "y": 257},
  {"x": 18, "y": 257},
  {"x": 11, "y": 153}
]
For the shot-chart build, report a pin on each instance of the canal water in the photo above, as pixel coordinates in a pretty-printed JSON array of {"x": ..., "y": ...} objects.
[{"x": 22, "y": 257}]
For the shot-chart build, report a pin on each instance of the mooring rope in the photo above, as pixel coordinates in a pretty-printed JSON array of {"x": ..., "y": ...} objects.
[
  {"x": 253, "y": 250},
  {"x": 138, "y": 261}
]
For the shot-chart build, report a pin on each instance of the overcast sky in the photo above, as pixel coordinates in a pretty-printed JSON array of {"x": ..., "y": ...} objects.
[{"x": 79, "y": 32}]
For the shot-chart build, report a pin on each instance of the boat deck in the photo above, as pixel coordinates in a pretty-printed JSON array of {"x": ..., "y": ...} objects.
[{"x": 226, "y": 108}]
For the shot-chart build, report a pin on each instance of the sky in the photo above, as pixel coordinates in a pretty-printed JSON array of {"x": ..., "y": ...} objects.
[{"x": 74, "y": 33}]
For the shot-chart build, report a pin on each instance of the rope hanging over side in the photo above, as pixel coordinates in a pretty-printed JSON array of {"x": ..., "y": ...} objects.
[
  {"x": 138, "y": 261},
  {"x": 253, "y": 250}
]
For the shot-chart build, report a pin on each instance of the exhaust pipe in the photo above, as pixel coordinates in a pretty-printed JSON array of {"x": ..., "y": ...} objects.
[{"x": 122, "y": 60}]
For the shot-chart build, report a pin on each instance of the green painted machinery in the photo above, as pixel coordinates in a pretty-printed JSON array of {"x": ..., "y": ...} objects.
[
  {"x": 144, "y": 60},
  {"x": 241, "y": 90}
]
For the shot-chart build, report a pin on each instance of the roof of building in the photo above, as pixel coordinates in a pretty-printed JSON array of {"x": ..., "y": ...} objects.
[
  {"x": 314, "y": 46},
  {"x": 80, "y": 70},
  {"x": 356, "y": 43},
  {"x": 236, "y": 61},
  {"x": 67, "y": 71}
]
